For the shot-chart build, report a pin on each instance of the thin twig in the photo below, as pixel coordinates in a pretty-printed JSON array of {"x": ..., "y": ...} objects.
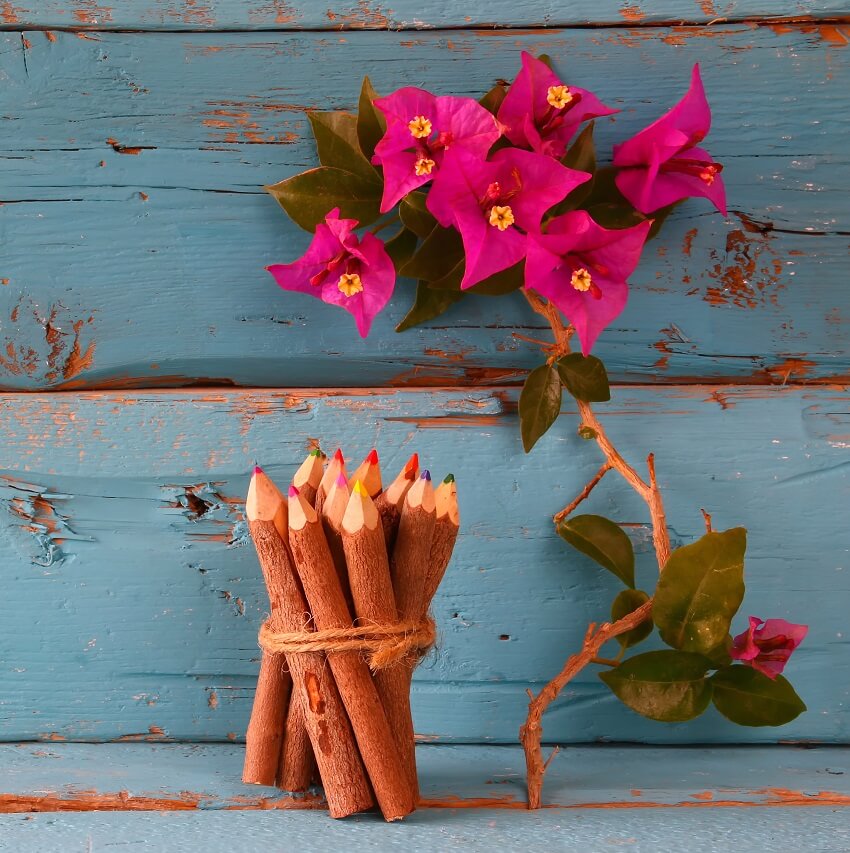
[
  {"x": 532, "y": 731},
  {"x": 606, "y": 661},
  {"x": 570, "y": 507}
]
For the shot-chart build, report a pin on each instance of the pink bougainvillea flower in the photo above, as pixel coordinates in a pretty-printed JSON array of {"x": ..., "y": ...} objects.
[
  {"x": 542, "y": 113},
  {"x": 766, "y": 646},
  {"x": 495, "y": 203},
  {"x": 342, "y": 269},
  {"x": 662, "y": 164},
  {"x": 583, "y": 269},
  {"x": 421, "y": 128}
]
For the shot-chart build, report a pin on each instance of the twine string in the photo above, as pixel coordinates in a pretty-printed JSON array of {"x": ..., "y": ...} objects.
[{"x": 385, "y": 644}]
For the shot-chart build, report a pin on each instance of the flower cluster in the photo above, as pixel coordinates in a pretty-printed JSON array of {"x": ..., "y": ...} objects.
[
  {"x": 505, "y": 193},
  {"x": 505, "y": 175}
]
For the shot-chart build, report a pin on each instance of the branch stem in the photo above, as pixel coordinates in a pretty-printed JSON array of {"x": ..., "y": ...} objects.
[
  {"x": 570, "y": 507},
  {"x": 595, "y": 637}
]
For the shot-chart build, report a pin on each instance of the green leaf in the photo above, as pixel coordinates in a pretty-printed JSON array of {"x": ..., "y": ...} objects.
[
  {"x": 539, "y": 404},
  {"x": 416, "y": 216},
  {"x": 581, "y": 155},
  {"x": 308, "y": 197},
  {"x": 615, "y": 216},
  {"x": 440, "y": 251},
  {"x": 499, "y": 284},
  {"x": 627, "y": 602},
  {"x": 749, "y": 698},
  {"x": 585, "y": 377},
  {"x": 667, "y": 686},
  {"x": 338, "y": 145},
  {"x": 493, "y": 99},
  {"x": 371, "y": 123},
  {"x": 605, "y": 189},
  {"x": 401, "y": 247},
  {"x": 720, "y": 656},
  {"x": 700, "y": 590},
  {"x": 658, "y": 219},
  {"x": 428, "y": 305},
  {"x": 602, "y": 541}
]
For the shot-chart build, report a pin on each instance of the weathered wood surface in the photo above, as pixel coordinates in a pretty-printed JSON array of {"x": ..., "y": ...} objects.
[
  {"x": 132, "y": 596},
  {"x": 605, "y": 799},
  {"x": 135, "y": 231},
  {"x": 62, "y": 777},
  {"x": 549, "y": 831},
  {"x": 396, "y": 15}
]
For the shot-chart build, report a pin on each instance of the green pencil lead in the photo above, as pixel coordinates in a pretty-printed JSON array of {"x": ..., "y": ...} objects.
[{"x": 450, "y": 478}]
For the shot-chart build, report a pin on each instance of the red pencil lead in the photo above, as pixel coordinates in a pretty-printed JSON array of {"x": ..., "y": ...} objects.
[
  {"x": 372, "y": 458},
  {"x": 339, "y": 457},
  {"x": 257, "y": 469},
  {"x": 411, "y": 467},
  {"x": 293, "y": 492}
]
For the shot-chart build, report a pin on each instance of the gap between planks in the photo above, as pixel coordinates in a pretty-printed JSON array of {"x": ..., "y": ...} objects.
[{"x": 795, "y": 21}]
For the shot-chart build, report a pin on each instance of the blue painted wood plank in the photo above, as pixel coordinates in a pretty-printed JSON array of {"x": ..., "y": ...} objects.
[
  {"x": 133, "y": 596},
  {"x": 547, "y": 831},
  {"x": 57, "y": 777},
  {"x": 401, "y": 14},
  {"x": 158, "y": 257},
  {"x": 599, "y": 799}
]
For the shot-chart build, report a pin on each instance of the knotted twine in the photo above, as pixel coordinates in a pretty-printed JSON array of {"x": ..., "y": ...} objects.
[{"x": 385, "y": 644}]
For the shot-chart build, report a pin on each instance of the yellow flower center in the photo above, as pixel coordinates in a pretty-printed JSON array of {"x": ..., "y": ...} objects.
[
  {"x": 581, "y": 280},
  {"x": 420, "y": 127},
  {"x": 423, "y": 166},
  {"x": 559, "y": 96},
  {"x": 501, "y": 216},
  {"x": 350, "y": 283},
  {"x": 708, "y": 174}
]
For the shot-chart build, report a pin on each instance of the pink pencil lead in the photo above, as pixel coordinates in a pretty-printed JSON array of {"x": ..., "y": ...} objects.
[
  {"x": 293, "y": 492},
  {"x": 257, "y": 469},
  {"x": 340, "y": 480}
]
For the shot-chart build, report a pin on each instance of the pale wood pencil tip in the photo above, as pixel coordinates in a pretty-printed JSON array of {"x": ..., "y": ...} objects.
[
  {"x": 300, "y": 511},
  {"x": 361, "y": 511},
  {"x": 264, "y": 498},
  {"x": 421, "y": 494}
]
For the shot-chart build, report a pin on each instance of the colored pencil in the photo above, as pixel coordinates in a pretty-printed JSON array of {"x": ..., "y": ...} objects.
[
  {"x": 324, "y": 594},
  {"x": 342, "y": 771}
]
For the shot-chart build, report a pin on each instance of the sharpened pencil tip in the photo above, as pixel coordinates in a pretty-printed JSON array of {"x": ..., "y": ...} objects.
[
  {"x": 257, "y": 469},
  {"x": 360, "y": 489},
  {"x": 426, "y": 475},
  {"x": 341, "y": 481},
  {"x": 293, "y": 492},
  {"x": 372, "y": 458},
  {"x": 316, "y": 451},
  {"x": 449, "y": 478},
  {"x": 411, "y": 467},
  {"x": 339, "y": 457}
]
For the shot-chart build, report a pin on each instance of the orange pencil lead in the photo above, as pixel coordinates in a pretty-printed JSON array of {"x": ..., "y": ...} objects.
[{"x": 411, "y": 469}]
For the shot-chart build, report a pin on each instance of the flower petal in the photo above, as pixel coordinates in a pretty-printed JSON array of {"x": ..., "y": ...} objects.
[
  {"x": 525, "y": 110},
  {"x": 377, "y": 274},
  {"x": 685, "y": 125},
  {"x": 543, "y": 182}
]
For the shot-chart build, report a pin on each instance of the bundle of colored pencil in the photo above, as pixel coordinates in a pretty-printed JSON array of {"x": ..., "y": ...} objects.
[{"x": 350, "y": 569}]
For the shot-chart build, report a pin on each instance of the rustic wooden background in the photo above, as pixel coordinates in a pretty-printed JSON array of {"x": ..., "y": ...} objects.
[{"x": 147, "y": 360}]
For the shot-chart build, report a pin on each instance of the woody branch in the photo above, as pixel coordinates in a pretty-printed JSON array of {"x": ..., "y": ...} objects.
[{"x": 596, "y": 636}]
